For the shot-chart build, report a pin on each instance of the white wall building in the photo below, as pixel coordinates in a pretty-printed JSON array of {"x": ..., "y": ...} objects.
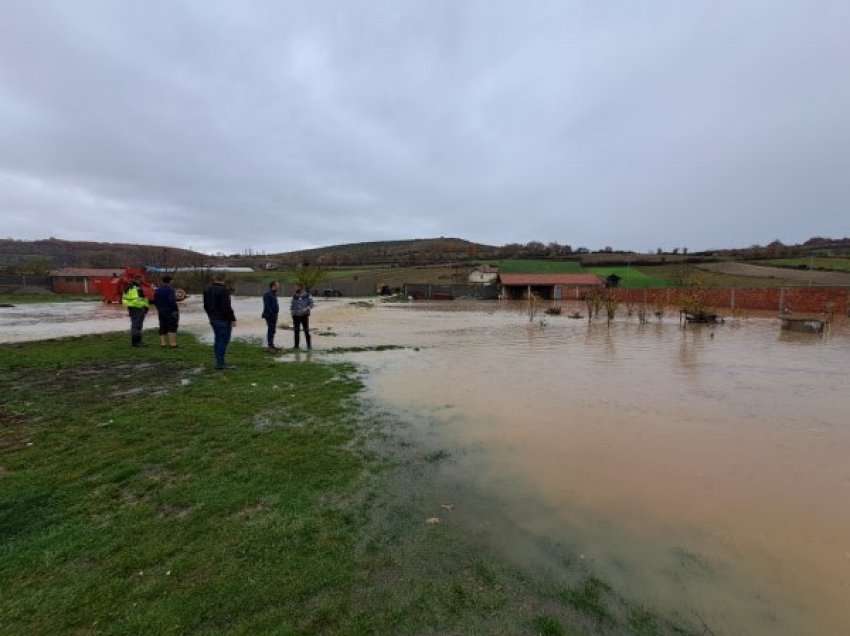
[{"x": 484, "y": 275}]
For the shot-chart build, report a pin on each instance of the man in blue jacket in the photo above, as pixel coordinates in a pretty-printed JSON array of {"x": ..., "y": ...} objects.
[
  {"x": 271, "y": 309},
  {"x": 165, "y": 300}
]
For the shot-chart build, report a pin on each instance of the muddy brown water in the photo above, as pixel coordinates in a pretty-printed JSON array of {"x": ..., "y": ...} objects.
[{"x": 701, "y": 471}]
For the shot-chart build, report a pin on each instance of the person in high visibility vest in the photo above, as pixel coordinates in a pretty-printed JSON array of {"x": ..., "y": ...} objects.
[{"x": 137, "y": 306}]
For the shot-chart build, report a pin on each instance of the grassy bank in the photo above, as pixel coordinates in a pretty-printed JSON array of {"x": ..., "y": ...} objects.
[{"x": 143, "y": 492}]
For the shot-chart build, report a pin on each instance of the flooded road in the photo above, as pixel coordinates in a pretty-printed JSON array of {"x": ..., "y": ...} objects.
[{"x": 702, "y": 471}]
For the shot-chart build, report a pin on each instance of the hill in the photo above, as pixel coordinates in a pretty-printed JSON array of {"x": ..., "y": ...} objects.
[
  {"x": 52, "y": 253},
  {"x": 403, "y": 253}
]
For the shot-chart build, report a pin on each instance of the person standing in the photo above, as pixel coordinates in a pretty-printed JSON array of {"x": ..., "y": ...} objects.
[
  {"x": 300, "y": 307},
  {"x": 271, "y": 309},
  {"x": 221, "y": 316},
  {"x": 165, "y": 301},
  {"x": 137, "y": 307}
]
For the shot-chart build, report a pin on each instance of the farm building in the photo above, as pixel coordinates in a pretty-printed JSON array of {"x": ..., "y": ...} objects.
[
  {"x": 484, "y": 275},
  {"x": 80, "y": 280},
  {"x": 548, "y": 286}
]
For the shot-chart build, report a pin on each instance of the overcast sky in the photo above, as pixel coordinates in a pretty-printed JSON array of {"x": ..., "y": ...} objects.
[{"x": 275, "y": 125}]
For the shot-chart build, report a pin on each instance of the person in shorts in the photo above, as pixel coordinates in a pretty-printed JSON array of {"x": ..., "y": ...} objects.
[{"x": 165, "y": 300}]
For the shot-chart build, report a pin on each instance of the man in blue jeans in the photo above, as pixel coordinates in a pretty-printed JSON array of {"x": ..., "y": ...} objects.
[{"x": 222, "y": 319}]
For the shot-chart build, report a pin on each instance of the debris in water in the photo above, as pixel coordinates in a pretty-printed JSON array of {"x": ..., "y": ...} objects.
[
  {"x": 448, "y": 507},
  {"x": 253, "y": 384},
  {"x": 432, "y": 521},
  {"x": 185, "y": 382}
]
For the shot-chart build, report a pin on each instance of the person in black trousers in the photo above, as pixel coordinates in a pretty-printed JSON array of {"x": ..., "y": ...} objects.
[
  {"x": 222, "y": 319},
  {"x": 300, "y": 307},
  {"x": 165, "y": 300},
  {"x": 271, "y": 309}
]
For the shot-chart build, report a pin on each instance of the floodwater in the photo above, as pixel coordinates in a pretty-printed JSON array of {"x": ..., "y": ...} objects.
[{"x": 701, "y": 471}]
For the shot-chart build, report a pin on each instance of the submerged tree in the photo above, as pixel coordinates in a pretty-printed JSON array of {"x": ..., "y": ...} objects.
[{"x": 611, "y": 305}]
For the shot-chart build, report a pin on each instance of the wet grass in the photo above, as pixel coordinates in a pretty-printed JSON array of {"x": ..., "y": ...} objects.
[
  {"x": 137, "y": 498},
  {"x": 548, "y": 626},
  {"x": 588, "y": 599},
  {"x": 143, "y": 492}
]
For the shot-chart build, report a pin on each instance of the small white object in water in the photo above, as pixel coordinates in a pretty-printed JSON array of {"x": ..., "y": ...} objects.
[
  {"x": 448, "y": 507},
  {"x": 253, "y": 384},
  {"x": 185, "y": 382},
  {"x": 433, "y": 521}
]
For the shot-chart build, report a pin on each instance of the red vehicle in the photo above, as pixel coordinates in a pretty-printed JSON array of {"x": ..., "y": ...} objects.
[{"x": 112, "y": 289}]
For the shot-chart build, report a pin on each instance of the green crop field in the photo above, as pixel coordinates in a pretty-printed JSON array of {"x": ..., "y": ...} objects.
[
  {"x": 631, "y": 277},
  {"x": 522, "y": 266},
  {"x": 818, "y": 262}
]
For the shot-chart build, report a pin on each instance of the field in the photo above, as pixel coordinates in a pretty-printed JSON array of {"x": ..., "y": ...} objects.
[
  {"x": 522, "y": 266},
  {"x": 759, "y": 274},
  {"x": 143, "y": 492},
  {"x": 632, "y": 277},
  {"x": 819, "y": 263}
]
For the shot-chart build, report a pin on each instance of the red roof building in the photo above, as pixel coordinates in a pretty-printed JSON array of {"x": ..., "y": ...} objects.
[{"x": 548, "y": 286}]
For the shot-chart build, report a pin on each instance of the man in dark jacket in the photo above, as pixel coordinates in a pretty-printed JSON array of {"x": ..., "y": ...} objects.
[
  {"x": 300, "y": 307},
  {"x": 165, "y": 300},
  {"x": 222, "y": 319},
  {"x": 271, "y": 309}
]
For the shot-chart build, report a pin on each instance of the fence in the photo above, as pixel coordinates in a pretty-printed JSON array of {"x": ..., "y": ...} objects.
[
  {"x": 799, "y": 299},
  {"x": 350, "y": 288},
  {"x": 11, "y": 282},
  {"x": 426, "y": 291}
]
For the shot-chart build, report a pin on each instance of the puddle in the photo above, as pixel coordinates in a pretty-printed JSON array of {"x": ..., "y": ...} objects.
[{"x": 702, "y": 475}]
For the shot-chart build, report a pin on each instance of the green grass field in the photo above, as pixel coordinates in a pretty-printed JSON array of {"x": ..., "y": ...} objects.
[
  {"x": 631, "y": 277},
  {"x": 142, "y": 492},
  {"x": 818, "y": 262},
  {"x": 522, "y": 266}
]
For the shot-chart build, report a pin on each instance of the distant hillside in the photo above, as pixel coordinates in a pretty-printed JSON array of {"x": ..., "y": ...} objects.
[
  {"x": 58, "y": 253},
  {"x": 816, "y": 246},
  {"x": 407, "y": 252}
]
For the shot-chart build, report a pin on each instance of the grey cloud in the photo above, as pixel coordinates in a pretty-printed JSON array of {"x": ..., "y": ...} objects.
[{"x": 282, "y": 125}]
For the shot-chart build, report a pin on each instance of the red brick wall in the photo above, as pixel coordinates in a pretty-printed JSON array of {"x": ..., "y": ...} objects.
[{"x": 805, "y": 299}]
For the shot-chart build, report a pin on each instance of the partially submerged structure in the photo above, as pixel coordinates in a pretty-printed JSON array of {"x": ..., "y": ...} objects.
[{"x": 548, "y": 286}]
